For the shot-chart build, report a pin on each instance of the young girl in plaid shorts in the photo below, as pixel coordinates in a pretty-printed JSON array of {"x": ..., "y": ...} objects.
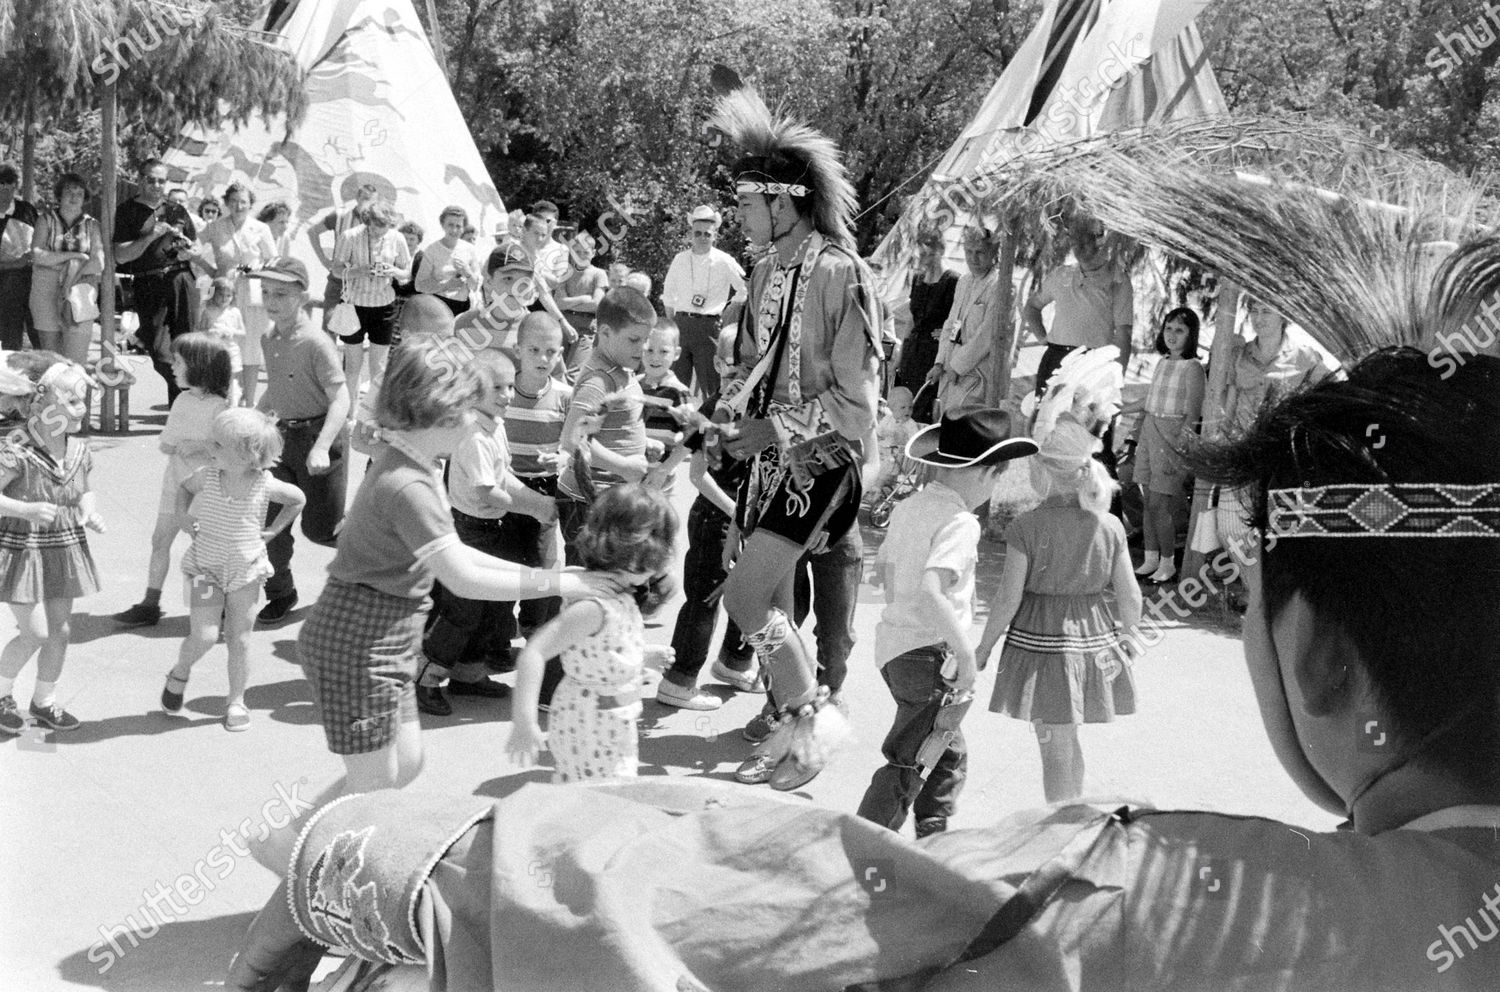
[{"x": 360, "y": 645}]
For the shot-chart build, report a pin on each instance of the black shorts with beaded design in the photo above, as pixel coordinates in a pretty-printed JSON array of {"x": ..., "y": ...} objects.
[
  {"x": 773, "y": 501},
  {"x": 359, "y": 650}
]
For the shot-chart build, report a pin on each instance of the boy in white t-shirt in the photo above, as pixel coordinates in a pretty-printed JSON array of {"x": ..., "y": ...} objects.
[
  {"x": 924, "y": 643},
  {"x": 481, "y": 489}
]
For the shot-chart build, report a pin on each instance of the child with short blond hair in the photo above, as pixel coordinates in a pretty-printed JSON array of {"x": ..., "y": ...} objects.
[{"x": 227, "y": 565}]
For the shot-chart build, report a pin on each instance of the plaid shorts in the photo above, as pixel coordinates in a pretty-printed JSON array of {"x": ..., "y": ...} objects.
[{"x": 359, "y": 650}]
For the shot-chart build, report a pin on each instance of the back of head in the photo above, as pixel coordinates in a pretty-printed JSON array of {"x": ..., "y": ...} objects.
[
  {"x": 430, "y": 381},
  {"x": 207, "y": 360},
  {"x": 425, "y": 314},
  {"x": 624, "y": 307},
  {"x": 1419, "y": 609},
  {"x": 630, "y": 528}
]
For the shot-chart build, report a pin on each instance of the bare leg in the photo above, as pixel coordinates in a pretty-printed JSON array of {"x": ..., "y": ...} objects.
[
  {"x": 354, "y": 362},
  {"x": 203, "y": 634},
  {"x": 31, "y": 618},
  {"x": 379, "y": 353},
  {"x": 162, "y": 536},
  {"x": 54, "y": 648},
  {"x": 1062, "y": 761},
  {"x": 239, "y": 617}
]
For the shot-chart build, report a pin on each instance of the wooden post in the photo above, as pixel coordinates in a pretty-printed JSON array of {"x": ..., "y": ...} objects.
[
  {"x": 107, "y": 198},
  {"x": 1220, "y": 366},
  {"x": 435, "y": 35}
]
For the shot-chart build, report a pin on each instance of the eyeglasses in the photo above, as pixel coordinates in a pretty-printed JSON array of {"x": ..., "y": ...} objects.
[
  {"x": 154, "y": 181},
  {"x": 703, "y": 235}
]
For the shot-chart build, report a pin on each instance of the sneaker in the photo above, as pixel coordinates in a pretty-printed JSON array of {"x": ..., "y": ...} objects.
[
  {"x": 236, "y": 718},
  {"x": 669, "y": 693},
  {"x": 139, "y": 615},
  {"x": 171, "y": 700},
  {"x": 11, "y": 720},
  {"x": 758, "y": 729},
  {"x": 931, "y": 825},
  {"x": 54, "y": 717},
  {"x": 430, "y": 700},
  {"x": 277, "y": 609},
  {"x": 755, "y": 770},
  {"x": 486, "y": 687},
  {"x": 748, "y": 681}
]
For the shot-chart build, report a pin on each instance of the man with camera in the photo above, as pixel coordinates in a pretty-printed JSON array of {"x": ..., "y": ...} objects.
[
  {"x": 700, "y": 284},
  {"x": 155, "y": 242}
]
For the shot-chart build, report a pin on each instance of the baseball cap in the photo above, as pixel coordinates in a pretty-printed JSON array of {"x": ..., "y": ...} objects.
[
  {"x": 705, "y": 212},
  {"x": 284, "y": 269},
  {"x": 509, "y": 255}
]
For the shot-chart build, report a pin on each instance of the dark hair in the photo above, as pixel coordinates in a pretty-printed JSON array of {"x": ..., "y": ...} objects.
[
  {"x": 454, "y": 211},
  {"x": 535, "y": 222},
  {"x": 9, "y": 174},
  {"x": 271, "y": 211},
  {"x": 630, "y": 528},
  {"x": 1420, "y": 612},
  {"x": 545, "y": 207},
  {"x": 207, "y": 360},
  {"x": 210, "y": 201},
  {"x": 380, "y": 212},
  {"x": 151, "y": 163},
  {"x": 67, "y": 181},
  {"x": 623, "y": 307},
  {"x": 241, "y": 188},
  {"x": 1187, "y": 316},
  {"x": 412, "y": 227}
]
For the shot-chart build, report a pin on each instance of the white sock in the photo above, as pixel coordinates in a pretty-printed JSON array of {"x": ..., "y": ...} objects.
[
  {"x": 5, "y": 686},
  {"x": 45, "y": 694}
]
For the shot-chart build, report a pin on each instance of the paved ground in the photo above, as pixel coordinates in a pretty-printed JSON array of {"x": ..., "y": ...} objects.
[{"x": 101, "y": 822}]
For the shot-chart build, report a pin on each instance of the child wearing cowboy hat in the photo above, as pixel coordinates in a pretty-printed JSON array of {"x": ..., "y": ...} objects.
[{"x": 923, "y": 641}]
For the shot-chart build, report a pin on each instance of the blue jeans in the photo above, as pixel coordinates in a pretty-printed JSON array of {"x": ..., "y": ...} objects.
[
  {"x": 702, "y": 574},
  {"x": 916, "y": 682}
]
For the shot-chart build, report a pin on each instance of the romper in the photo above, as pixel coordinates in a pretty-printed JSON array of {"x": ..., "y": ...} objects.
[{"x": 228, "y": 550}]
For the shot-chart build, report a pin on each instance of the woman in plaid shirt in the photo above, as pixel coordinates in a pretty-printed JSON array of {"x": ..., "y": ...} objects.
[{"x": 1173, "y": 406}]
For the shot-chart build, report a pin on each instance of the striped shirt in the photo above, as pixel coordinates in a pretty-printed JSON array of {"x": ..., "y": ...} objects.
[
  {"x": 533, "y": 427},
  {"x": 1172, "y": 385},
  {"x": 358, "y": 246},
  {"x": 623, "y": 430}
]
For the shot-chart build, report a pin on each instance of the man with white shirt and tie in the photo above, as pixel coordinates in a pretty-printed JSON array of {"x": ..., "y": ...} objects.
[{"x": 701, "y": 282}]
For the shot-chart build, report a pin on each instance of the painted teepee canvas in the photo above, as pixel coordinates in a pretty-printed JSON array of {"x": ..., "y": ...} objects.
[{"x": 379, "y": 111}]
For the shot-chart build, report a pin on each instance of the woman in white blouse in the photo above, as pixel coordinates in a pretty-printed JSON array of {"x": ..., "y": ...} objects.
[
  {"x": 450, "y": 268},
  {"x": 962, "y": 367},
  {"x": 240, "y": 244}
]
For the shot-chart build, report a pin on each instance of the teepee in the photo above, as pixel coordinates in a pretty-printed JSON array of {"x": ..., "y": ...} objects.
[{"x": 379, "y": 111}]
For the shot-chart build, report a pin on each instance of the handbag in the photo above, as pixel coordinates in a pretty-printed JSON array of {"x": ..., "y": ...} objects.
[
  {"x": 83, "y": 302},
  {"x": 344, "y": 321}
]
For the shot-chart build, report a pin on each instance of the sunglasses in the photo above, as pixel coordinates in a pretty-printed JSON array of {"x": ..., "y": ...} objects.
[{"x": 703, "y": 235}]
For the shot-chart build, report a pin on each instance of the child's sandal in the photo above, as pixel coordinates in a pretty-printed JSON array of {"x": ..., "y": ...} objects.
[{"x": 171, "y": 699}]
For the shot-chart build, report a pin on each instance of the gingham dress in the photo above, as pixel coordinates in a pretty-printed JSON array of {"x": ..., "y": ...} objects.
[
  {"x": 592, "y": 732},
  {"x": 38, "y": 562},
  {"x": 1062, "y": 646}
]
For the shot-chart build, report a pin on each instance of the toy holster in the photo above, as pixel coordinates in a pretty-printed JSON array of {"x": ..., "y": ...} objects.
[{"x": 952, "y": 706}]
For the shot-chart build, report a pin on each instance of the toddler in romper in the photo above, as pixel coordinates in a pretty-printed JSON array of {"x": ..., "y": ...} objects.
[
  {"x": 227, "y": 564},
  {"x": 592, "y": 729}
]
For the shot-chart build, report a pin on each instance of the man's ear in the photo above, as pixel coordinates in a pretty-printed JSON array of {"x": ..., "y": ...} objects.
[{"x": 1320, "y": 653}]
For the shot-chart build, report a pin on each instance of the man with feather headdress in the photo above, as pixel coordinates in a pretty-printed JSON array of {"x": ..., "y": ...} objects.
[{"x": 803, "y": 398}]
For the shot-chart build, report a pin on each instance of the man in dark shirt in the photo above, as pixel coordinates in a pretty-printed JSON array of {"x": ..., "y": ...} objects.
[
  {"x": 17, "y": 221},
  {"x": 155, "y": 241}
]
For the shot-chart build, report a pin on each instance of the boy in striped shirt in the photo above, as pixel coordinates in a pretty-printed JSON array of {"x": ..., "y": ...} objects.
[{"x": 533, "y": 427}]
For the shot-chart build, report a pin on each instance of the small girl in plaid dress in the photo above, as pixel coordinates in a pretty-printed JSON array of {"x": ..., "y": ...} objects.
[
  {"x": 1173, "y": 406},
  {"x": 227, "y": 564},
  {"x": 360, "y": 645}
]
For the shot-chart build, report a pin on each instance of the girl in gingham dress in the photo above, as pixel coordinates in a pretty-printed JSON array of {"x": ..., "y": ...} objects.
[
  {"x": 227, "y": 563},
  {"x": 592, "y": 727},
  {"x": 359, "y": 646},
  {"x": 1173, "y": 406}
]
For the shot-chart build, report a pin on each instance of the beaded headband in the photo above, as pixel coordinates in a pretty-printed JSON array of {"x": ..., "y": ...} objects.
[
  {"x": 770, "y": 189},
  {"x": 1395, "y": 510}
]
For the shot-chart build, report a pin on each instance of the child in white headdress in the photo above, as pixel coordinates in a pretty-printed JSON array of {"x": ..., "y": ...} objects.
[{"x": 1064, "y": 662}]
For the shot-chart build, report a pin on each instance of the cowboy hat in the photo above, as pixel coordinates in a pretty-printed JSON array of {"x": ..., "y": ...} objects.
[{"x": 976, "y": 437}]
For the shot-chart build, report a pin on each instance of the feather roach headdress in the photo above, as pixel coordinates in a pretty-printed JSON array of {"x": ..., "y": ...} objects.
[{"x": 778, "y": 154}]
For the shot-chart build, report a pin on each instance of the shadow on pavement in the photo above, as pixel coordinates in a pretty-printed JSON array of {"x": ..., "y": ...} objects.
[{"x": 182, "y": 956}]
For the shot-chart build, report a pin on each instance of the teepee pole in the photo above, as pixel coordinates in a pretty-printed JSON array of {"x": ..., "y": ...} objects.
[{"x": 1220, "y": 365}]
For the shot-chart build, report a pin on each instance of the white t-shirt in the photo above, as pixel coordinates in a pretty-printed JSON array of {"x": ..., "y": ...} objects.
[
  {"x": 437, "y": 265},
  {"x": 481, "y": 461},
  {"x": 700, "y": 284},
  {"x": 931, "y": 529}
]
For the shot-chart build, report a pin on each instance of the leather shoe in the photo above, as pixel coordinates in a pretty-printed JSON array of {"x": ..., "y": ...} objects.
[
  {"x": 276, "y": 610},
  {"x": 754, "y": 770},
  {"x": 430, "y": 700},
  {"x": 488, "y": 688},
  {"x": 793, "y": 774}
]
